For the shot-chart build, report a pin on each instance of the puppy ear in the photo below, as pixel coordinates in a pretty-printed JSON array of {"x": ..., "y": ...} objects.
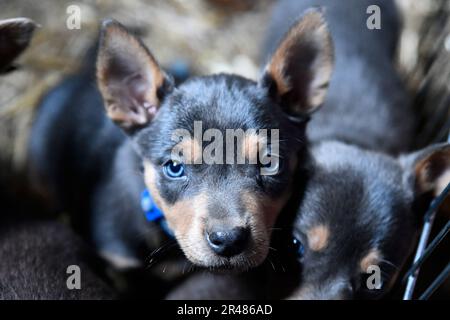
[
  {"x": 299, "y": 71},
  {"x": 15, "y": 36},
  {"x": 129, "y": 78},
  {"x": 428, "y": 170}
]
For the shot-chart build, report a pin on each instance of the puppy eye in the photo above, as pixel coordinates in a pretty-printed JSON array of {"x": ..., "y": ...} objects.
[
  {"x": 298, "y": 247},
  {"x": 173, "y": 169}
]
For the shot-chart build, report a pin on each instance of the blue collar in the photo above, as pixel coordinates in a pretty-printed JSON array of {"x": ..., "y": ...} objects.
[{"x": 153, "y": 213}]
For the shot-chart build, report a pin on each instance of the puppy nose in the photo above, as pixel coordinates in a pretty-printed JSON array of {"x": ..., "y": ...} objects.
[{"x": 228, "y": 243}]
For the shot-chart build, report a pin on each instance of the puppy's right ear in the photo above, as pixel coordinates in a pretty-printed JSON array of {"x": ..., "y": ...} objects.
[
  {"x": 299, "y": 71},
  {"x": 129, "y": 78},
  {"x": 428, "y": 171}
]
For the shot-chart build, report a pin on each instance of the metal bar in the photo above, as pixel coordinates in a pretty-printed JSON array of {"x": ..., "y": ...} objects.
[
  {"x": 412, "y": 279},
  {"x": 435, "y": 204},
  {"x": 428, "y": 250},
  {"x": 426, "y": 230},
  {"x": 436, "y": 283}
]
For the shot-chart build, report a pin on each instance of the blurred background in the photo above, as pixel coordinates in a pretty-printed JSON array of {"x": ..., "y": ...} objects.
[{"x": 199, "y": 37}]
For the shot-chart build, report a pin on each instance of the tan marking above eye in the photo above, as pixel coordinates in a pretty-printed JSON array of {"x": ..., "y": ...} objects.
[
  {"x": 318, "y": 237},
  {"x": 373, "y": 257}
]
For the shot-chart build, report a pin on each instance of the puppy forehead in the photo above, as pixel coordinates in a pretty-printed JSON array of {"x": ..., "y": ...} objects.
[
  {"x": 348, "y": 182},
  {"x": 219, "y": 87},
  {"x": 360, "y": 199},
  {"x": 346, "y": 215},
  {"x": 225, "y": 101},
  {"x": 330, "y": 198},
  {"x": 219, "y": 102}
]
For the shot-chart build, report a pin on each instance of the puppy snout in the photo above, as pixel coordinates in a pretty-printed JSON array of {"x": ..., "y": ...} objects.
[{"x": 229, "y": 242}]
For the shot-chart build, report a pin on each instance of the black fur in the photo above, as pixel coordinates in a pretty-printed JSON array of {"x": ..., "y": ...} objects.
[{"x": 35, "y": 256}]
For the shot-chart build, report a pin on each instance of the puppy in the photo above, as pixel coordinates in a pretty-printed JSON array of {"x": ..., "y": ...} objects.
[
  {"x": 359, "y": 215},
  {"x": 362, "y": 204},
  {"x": 35, "y": 255},
  {"x": 221, "y": 215}
]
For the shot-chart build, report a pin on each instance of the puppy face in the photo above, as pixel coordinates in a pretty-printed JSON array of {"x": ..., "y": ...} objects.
[
  {"x": 213, "y": 198},
  {"x": 357, "y": 222},
  {"x": 221, "y": 211}
]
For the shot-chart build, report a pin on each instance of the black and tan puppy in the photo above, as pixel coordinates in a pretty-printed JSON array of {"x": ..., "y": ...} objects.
[
  {"x": 222, "y": 214},
  {"x": 362, "y": 209},
  {"x": 362, "y": 204}
]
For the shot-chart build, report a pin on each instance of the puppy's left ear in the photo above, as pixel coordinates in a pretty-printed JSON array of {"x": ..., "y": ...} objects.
[
  {"x": 428, "y": 170},
  {"x": 299, "y": 71},
  {"x": 129, "y": 78},
  {"x": 15, "y": 36}
]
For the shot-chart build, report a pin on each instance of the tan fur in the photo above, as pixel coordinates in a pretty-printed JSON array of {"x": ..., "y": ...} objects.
[
  {"x": 117, "y": 39},
  {"x": 263, "y": 214},
  {"x": 373, "y": 257},
  {"x": 433, "y": 172},
  {"x": 184, "y": 217},
  {"x": 151, "y": 182},
  {"x": 188, "y": 218},
  {"x": 318, "y": 237},
  {"x": 180, "y": 215},
  {"x": 264, "y": 209}
]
